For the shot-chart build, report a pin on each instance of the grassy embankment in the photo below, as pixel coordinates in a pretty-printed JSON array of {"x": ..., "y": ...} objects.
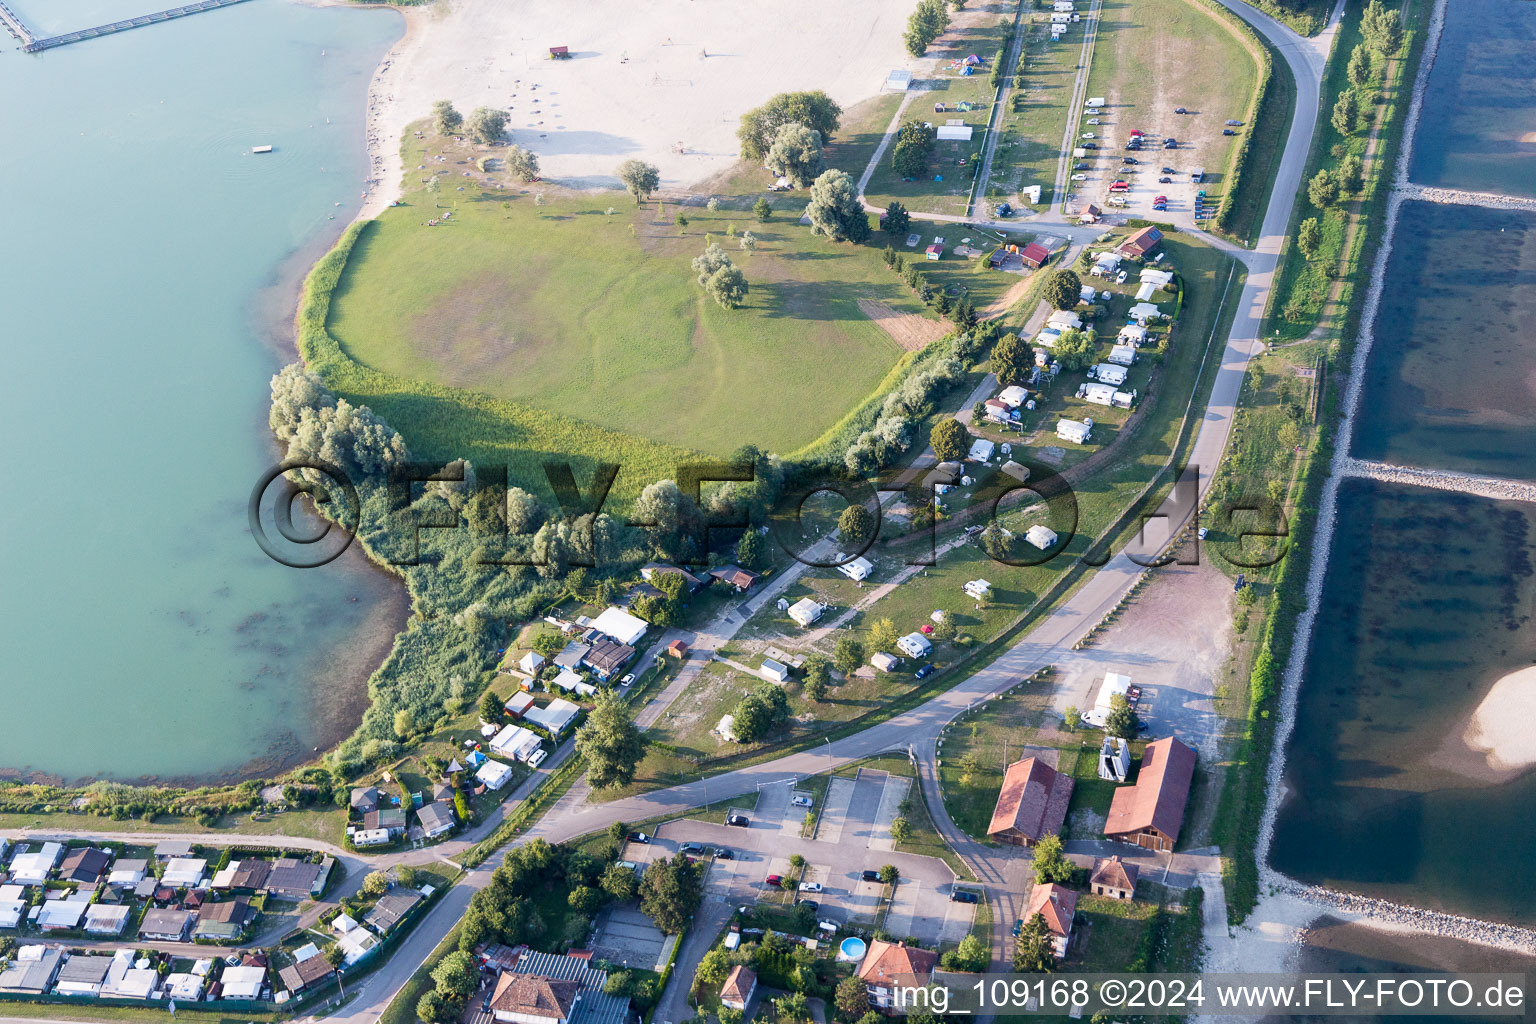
[{"x": 1250, "y": 466}]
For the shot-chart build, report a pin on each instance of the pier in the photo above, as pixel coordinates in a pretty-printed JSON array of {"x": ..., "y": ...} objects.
[
  {"x": 15, "y": 26},
  {"x": 31, "y": 44}
]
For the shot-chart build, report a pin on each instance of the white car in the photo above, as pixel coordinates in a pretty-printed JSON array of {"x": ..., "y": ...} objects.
[
  {"x": 1093, "y": 120},
  {"x": 1079, "y": 177},
  {"x": 810, "y": 887},
  {"x": 1093, "y": 111},
  {"x": 802, "y": 801},
  {"x": 1089, "y": 135}
]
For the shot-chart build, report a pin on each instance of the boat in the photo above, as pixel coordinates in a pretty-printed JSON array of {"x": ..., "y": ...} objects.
[{"x": 261, "y": 149}]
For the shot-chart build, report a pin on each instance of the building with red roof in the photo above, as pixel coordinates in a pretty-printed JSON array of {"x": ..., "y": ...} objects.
[
  {"x": 1035, "y": 255},
  {"x": 1032, "y": 804},
  {"x": 1151, "y": 813},
  {"x": 1056, "y": 904}
]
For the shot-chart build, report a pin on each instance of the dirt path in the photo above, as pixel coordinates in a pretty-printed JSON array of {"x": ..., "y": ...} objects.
[{"x": 909, "y": 330}]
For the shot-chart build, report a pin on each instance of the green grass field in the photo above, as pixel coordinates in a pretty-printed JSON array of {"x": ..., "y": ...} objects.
[
  {"x": 599, "y": 317},
  {"x": 1032, "y": 127}
]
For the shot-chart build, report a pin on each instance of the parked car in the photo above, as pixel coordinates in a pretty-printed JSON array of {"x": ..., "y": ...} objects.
[
  {"x": 1082, "y": 166},
  {"x": 1242, "y": 581},
  {"x": 1159, "y": 199},
  {"x": 723, "y": 853},
  {"x": 1204, "y": 532},
  {"x": 871, "y": 876},
  {"x": 1129, "y": 160},
  {"x": 1232, "y": 122},
  {"x": 774, "y": 880},
  {"x": 1089, "y": 135},
  {"x": 627, "y": 680},
  {"x": 690, "y": 848},
  {"x": 1137, "y": 133},
  {"x": 925, "y": 672},
  {"x": 1093, "y": 111},
  {"x": 1180, "y": 110},
  {"x": 537, "y": 758},
  {"x": 1093, "y": 120},
  {"x": 802, "y": 801},
  {"x": 1165, "y": 180},
  {"x": 739, "y": 820},
  {"x": 810, "y": 887},
  {"x": 1169, "y": 170},
  {"x": 808, "y": 903},
  {"x": 1079, "y": 177},
  {"x": 1228, "y": 131},
  {"x": 1089, "y": 145},
  {"x": 1170, "y": 143},
  {"x": 1018, "y": 926},
  {"x": 639, "y": 837},
  {"x": 964, "y": 896}
]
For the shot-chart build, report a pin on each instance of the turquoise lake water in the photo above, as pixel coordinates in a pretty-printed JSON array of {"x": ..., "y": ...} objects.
[
  {"x": 148, "y": 270},
  {"x": 1477, "y": 129}
]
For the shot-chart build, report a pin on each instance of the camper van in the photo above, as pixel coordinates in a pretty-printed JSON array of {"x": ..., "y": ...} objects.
[
  {"x": 1061, "y": 18},
  {"x": 1062, "y": 5}
]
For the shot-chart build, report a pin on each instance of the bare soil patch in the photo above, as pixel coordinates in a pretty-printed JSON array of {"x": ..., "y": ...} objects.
[{"x": 908, "y": 330}]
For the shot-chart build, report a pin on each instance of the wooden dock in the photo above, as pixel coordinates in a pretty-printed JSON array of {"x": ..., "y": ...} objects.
[
  {"x": 15, "y": 26},
  {"x": 33, "y": 45}
]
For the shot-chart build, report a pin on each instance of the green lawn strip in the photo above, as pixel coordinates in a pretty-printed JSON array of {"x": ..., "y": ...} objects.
[
  {"x": 1299, "y": 301},
  {"x": 147, "y": 1014},
  {"x": 864, "y": 125},
  {"x": 1308, "y": 17},
  {"x": 1035, "y": 116},
  {"x": 955, "y": 162}
]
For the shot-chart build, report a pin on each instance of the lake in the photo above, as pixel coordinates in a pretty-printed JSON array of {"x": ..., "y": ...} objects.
[
  {"x": 1451, "y": 379},
  {"x": 1427, "y": 602},
  {"x": 148, "y": 274},
  {"x": 1478, "y": 125}
]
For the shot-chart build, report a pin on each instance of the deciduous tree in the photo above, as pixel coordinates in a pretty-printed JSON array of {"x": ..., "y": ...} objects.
[
  {"x": 670, "y": 893},
  {"x": 855, "y": 524},
  {"x": 487, "y": 125},
  {"x": 640, "y": 178},
  {"x": 1308, "y": 237},
  {"x": 523, "y": 164},
  {"x": 760, "y": 126},
  {"x": 796, "y": 154},
  {"x": 1012, "y": 360},
  {"x": 446, "y": 119},
  {"x": 835, "y": 210},
  {"x": 1063, "y": 289},
  {"x": 950, "y": 440},
  {"x": 848, "y": 654},
  {"x": 609, "y": 743},
  {"x": 1323, "y": 189}
]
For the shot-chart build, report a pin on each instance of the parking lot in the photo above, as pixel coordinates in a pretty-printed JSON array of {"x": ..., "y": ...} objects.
[{"x": 853, "y": 836}]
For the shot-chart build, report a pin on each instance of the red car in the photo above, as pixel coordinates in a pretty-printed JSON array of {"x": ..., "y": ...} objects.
[
  {"x": 774, "y": 880},
  {"x": 1160, "y": 199},
  {"x": 1137, "y": 133},
  {"x": 927, "y": 628},
  {"x": 1120, "y": 186}
]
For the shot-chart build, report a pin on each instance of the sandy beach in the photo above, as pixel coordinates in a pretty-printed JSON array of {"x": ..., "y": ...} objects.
[
  {"x": 1500, "y": 728},
  {"x": 665, "y": 81}
]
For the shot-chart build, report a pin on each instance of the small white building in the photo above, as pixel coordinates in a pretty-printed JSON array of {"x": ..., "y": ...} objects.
[
  {"x": 1040, "y": 536},
  {"x": 1064, "y": 319},
  {"x": 1048, "y": 338},
  {"x": 243, "y": 982},
  {"x": 186, "y": 988},
  {"x": 1013, "y": 396},
  {"x": 1123, "y": 355},
  {"x": 981, "y": 450},
  {"x": 622, "y": 626},
  {"x": 1145, "y": 311},
  {"x": 515, "y": 742},
  {"x": 884, "y": 662},
  {"x": 1114, "y": 759},
  {"x": 977, "y": 589},
  {"x": 1132, "y": 334},
  {"x": 1159, "y": 278},
  {"x": 726, "y": 728},
  {"x": 898, "y": 81},
  {"x": 184, "y": 872},
  {"x": 106, "y": 918},
  {"x": 1076, "y": 431},
  {"x": 857, "y": 569},
  {"x": 914, "y": 645},
  {"x": 494, "y": 774},
  {"x": 1097, "y": 394},
  {"x": 518, "y": 704},
  {"x": 33, "y": 867},
  {"x": 806, "y": 611},
  {"x": 1123, "y": 399},
  {"x": 774, "y": 671},
  {"x": 531, "y": 662},
  {"x": 1110, "y": 373},
  {"x": 954, "y": 133},
  {"x": 570, "y": 682},
  {"x": 556, "y": 717}
]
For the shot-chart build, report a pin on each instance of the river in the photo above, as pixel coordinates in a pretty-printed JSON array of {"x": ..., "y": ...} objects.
[{"x": 148, "y": 272}]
